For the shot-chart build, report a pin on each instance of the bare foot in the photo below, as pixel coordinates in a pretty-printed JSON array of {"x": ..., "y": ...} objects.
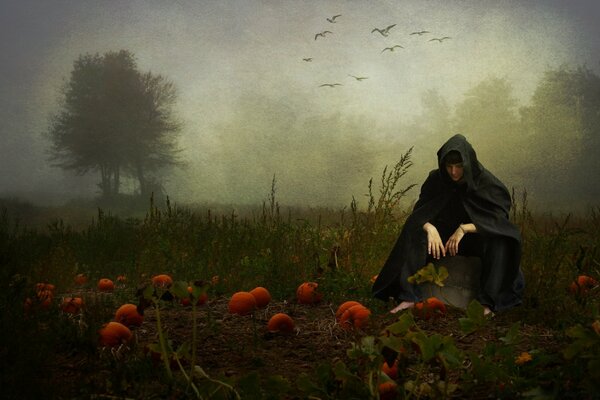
[{"x": 402, "y": 306}]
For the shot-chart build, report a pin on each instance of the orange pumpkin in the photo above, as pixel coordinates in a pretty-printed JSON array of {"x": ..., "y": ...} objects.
[
  {"x": 262, "y": 296},
  {"x": 387, "y": 390},
  {"x": 80, "y": 279},
  {"x": 113, "y": 334},
  {"x": 44, "y": 298},
  {"x": 121, "y": 279},
  {"x": 280, "y": 322},
  {"x": 106, "y": 285},
  {"x": 343, "y": 307},
  {"x": 129, "y": 315},
  {"x": 356, "y": 316},
  {"x": 43, "y": 286},
  {"x": 202, "y": 298},
  {"x": 71, "y": 305},
  {"x": 162, "y": 281},
  {"x": 392, "y": 371},
  {"x": 307, "y": 293},
  {"x": 242, "y": 303},
  {"x": 582, "y": 285},
  {"x": 431, "y": 307}
]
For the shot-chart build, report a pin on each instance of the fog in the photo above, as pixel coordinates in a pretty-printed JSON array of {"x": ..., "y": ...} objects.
[{"x": 252, "y": 109}]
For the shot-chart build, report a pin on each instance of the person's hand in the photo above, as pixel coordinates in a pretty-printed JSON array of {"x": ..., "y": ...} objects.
[
  {"x": 454, "y": 240},
  {"x": 435, "y": 246}
]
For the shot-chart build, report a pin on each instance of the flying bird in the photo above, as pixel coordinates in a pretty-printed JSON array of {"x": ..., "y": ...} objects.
[
  {"x": 330, "y": 85},
  {"x": 359, "y": 78},
  {"x": 308, "y": 59},
  {"x": 419, "y": 33},
  {"x": 384, "y": 31},
  {"x": 392, "y": 48},
  {"x": 440, "y": 39},
  {"x": 332, "y": 19},
  {"x": 322, "y": 34}
]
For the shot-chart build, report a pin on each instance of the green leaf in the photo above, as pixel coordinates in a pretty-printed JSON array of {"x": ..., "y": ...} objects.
[
  {"x": 276, "y": 387},
  {"x": 475, "y": 318},
  {"x": 179, "y": 289},
  {"x": 430, "y": 273},
  {"x": 400, "y": 327},
  {"x": 249, "y": 386},
  {"x": 512, "y": 336}
]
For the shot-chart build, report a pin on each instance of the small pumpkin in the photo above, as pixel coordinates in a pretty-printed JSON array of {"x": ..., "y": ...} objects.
[
  {"x": 242, "y": 303},
  {"x": 356, "y": 316},
  {"x": 387, "y": 390},
  {"x": 80, "y": 279},
  {"x": 431, "y": 307},
  {"x": 280, "y": 322},
  {"x": 162, "y": 281},
  {"x": 582, "y": 285},
  {"x": 71, "y": 305},
  {"x": 129, "y": 315},
  {"x": 114, "y": 334},
  {"x": 202, "y": 298},
  {"x": 343, "y": 307},
  {"x": 44, "y": 298},
  {"x": 106, "y": 285},
  {"x": 307, "y": 293},
  {"x": 391, "y": 371},
  {"x": 44, "y": 286},
  {"x": 122, "y": 279},
  {"x": 262, "y": 296}
]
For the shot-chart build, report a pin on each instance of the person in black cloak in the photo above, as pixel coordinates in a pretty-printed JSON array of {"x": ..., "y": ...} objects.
[{"x": 463, "y": 209}]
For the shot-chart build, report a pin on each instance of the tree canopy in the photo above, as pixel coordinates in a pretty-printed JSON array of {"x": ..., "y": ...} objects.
[{"x": 117, "y": 121}]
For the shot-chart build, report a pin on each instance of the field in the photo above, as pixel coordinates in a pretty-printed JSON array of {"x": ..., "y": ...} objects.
[{"x": 547, "y": 348}]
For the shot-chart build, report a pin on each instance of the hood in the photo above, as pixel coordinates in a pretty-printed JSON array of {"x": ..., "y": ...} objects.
[{"x": 472, "y": 167}]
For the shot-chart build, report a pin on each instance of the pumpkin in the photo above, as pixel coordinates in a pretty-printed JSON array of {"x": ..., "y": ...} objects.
[
  {"x": 202, "y": 298},
  {"x": 387, "y": 390},
  {"x": 121, "y": 279},
  {"x": 343, "y": 307},
  {"x": 80, "y": 279},
  {"x": 582, "y": 284},
  {"x": 392, "y": 371},
  {"x": 356, "y": 316},
  {"x": 44, "y": 298},
  {"x": 114, "y": 334},
  {"x": 106, "y": 285},
  {"x": 307, "y": 293},
  {"x": 280, "y": 322},
  {"x": 162, "y": 281},
  {"x": 129, "y": 315},
  {"x": 431, "y": 307},
  {"x": 71, "y": 305},
  {"x": 42, "y": 286},
  {"x": 242, "y": 303},
  {"x": 262, "y": 296}
]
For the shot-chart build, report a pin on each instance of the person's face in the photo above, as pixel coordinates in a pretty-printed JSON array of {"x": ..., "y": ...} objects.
[{"x": 455, "y": 171}]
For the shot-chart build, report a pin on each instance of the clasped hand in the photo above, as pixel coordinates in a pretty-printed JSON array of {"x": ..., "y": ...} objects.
[{"x": 435, "y": 246}]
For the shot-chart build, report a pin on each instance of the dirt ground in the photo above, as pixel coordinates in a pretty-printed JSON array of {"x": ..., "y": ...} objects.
[{"x": 231, "y": 345}]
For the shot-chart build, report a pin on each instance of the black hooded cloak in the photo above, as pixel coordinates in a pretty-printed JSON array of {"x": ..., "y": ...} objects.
[{"x": 486, "y": 203}]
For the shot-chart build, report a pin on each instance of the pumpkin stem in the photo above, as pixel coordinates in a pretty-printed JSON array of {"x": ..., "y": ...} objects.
[{"x": 161, "y": 340}]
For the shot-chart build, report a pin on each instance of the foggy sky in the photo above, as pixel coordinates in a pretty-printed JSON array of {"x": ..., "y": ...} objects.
[{"x": 239, "y": 71}]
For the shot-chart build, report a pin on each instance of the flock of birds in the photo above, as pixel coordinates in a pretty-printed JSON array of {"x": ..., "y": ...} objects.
[{"x": 383, "y": 32}]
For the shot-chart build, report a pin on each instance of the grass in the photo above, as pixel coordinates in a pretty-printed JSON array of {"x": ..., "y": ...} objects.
[{"x": 340, "y": 249}]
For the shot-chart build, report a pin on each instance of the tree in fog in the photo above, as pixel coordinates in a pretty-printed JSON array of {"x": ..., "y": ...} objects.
[
  {"x": 488, "y": 117},
  {"x": 115, "y": 120},
  {"x": 563, "y": 126}
]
